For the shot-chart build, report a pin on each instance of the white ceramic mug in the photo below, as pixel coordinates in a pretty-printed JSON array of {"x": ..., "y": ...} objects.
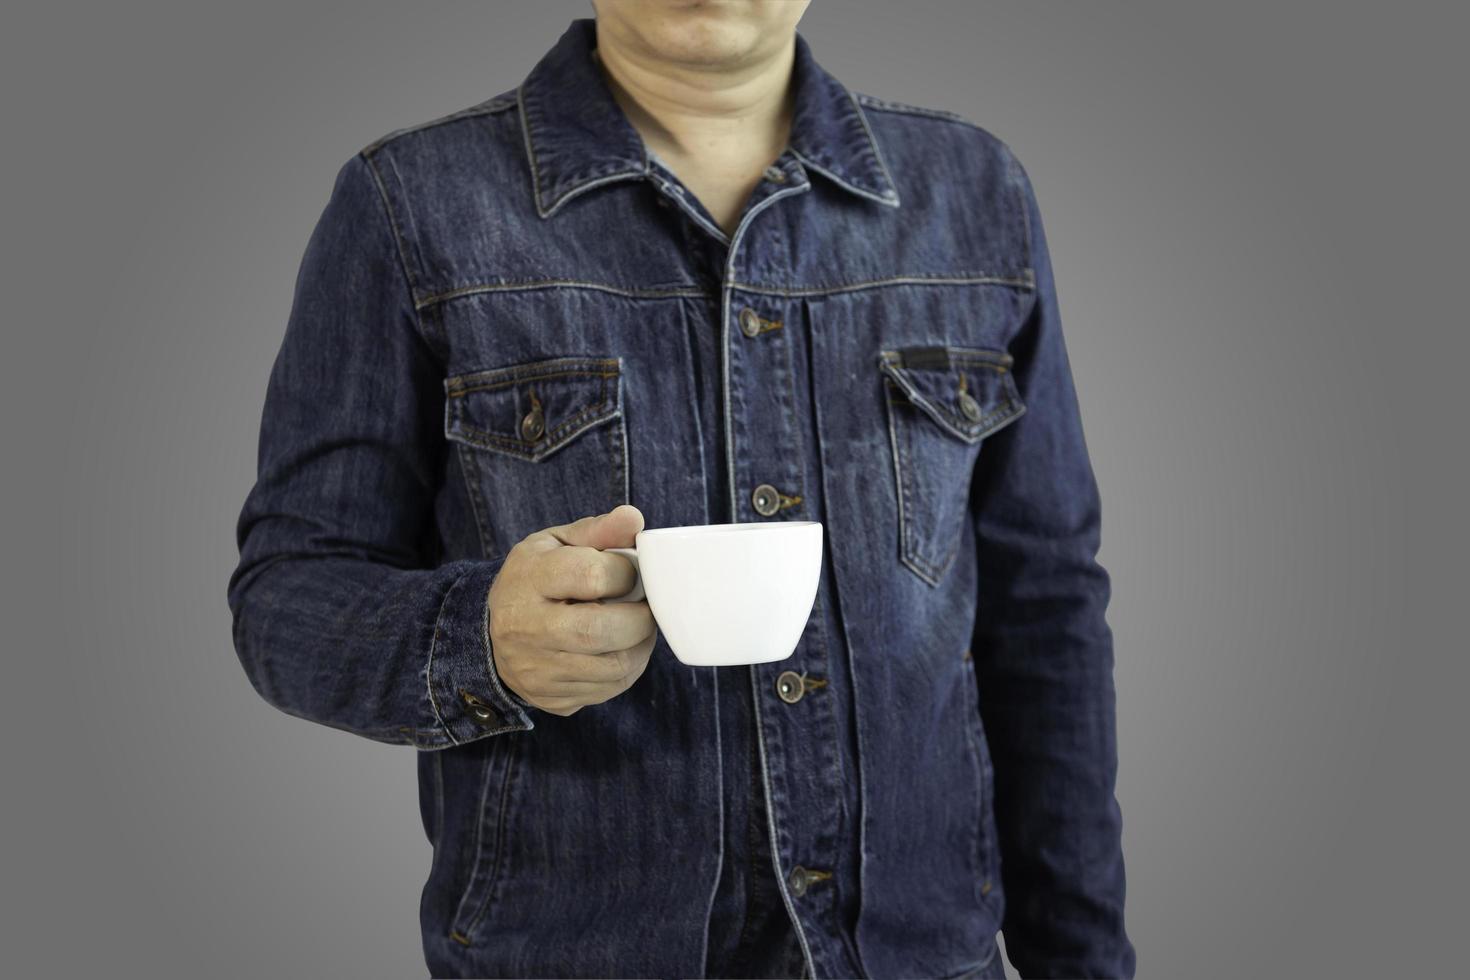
[{"x": 728, "y": 594}]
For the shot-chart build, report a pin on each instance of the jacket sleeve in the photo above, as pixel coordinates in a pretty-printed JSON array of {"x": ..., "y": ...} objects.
[
  {"x": 341, "y": 614},
  {"x": 1044, "y": 659}
]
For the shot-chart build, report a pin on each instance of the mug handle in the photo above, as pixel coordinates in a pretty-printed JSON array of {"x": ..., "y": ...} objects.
[{"x": 635, "y": 593}]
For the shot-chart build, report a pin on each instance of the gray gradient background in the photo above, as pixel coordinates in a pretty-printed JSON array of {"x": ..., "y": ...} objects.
[{"x": 1256, "y": 215}]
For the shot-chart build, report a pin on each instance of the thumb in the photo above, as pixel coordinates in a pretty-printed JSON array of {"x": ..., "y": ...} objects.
[{"x": 615, "y": 529}]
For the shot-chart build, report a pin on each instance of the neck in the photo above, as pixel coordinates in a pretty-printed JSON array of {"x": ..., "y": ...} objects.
[{"x": 684, "y": 112}]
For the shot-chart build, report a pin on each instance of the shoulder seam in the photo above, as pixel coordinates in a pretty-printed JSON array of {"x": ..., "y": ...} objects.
[
  {"x": 1020, "y": 184},
  {"x": 497, "y": 104},
  {"x": 889, "y": 105},
  {"x": 406, "y": 266}
]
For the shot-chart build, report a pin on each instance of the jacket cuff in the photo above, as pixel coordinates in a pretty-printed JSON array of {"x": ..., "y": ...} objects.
[{"x": 469, "y": 700}]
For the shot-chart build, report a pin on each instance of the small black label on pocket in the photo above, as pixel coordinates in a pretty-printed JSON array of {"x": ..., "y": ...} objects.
[{"x": 926, "y": 357}]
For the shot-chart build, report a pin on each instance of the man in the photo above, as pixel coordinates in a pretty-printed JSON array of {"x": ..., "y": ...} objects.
[{"x": 683, "y": 265}]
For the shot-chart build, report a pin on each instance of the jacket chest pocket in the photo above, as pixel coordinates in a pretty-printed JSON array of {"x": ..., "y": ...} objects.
[
  {"x": 540, "y": 442},
  {"x": 942, "y": 401}
]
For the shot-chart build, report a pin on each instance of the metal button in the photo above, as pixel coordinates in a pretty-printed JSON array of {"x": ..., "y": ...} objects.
[
  {"x": 801, "y": 879},
  {"x": 533, "y": 425},
  {"x": 750, "y": 323},
  {"x": 970, "y": 406},
  {"x": 790, "y": 686},
  {"x": 482, "y": 714},
  {"x": 766, "y": 500},
  {"x": 775, "y": 174}
]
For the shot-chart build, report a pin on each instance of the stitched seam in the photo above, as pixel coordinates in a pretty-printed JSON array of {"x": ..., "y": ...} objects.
[
  {"x": 964, "y": 424},
  {"x": 1015, "y": 168},
  {"x": 972, "y": 743},
  {"x": 808, "y": 962},
  {"x": 532, "y": 284},
  {"x": 477, "y": 502},
  {"x": 816, "y": 341},
  {"x": 685, "y": 328},
  {"x": 988, "y": 856},
  {"x": 458, "y": 392},
  {"x": 530, "y": 149},
  {"x": 904, "y": 108},
  {"x": 719, "y": 753},
  {"x": 613, "y": 451},
  {"x": 999, "y": 360},
  {"x": 910, "y": 551},
  {"x": 1020, "y": 181},
  {"x": 788, "y": 341},
  {"x": 401, "y": 246},
  {"x": 729, "y": 425},
  {"x": 434, "y": 323},
  {"x": 627, "y": 450},
  {"x": 554, "y": 440},
  {"x": 898, "y": 478},
  {"x": 752, "y": 846},
  {"x": 495, "y": 104},
  {"x": 916, "y": 542},
  {"x": 1011, "y": 406},
  {"x": 508, "y": 780},
  {"x": 930, "y": 570},
  {"x": 906, "y": 280},
  {"x": 519, "y": 371},
  {"x": 873, "y": 143},
  {"x": 866, "y": 284},
  {"x": 771, "y": 825},
  {"x": 833, "y": 176},
  {"x": 577, "y": 190},
  {"x": 822, "y": 653},
  {"x": 429, "y": 669},
  {"x": 1024, "y": 281},
  {"x": 490, "y": 752}
]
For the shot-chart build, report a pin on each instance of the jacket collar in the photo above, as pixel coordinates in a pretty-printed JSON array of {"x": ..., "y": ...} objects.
[{"x": 578, "y": 137}]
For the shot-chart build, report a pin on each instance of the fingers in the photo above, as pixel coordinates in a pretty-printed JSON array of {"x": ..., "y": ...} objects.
[
  {"x": 553, "y": 644},
  {"x": 582, "y": 573},
  {"x": 563, "y": 683},
  {"x": 595, "y": 627},
  {"x": 615, "y": 529},
  {"x": 616, "y": 669}
]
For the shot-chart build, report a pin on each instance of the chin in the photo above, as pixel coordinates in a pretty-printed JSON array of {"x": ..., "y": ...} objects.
[
  {"x": 698, "y": 32},
  {"x": 704, "y": 43}
]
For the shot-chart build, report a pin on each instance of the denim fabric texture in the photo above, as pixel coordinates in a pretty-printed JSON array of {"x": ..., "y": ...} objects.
[
  {"x": 751, "y": 934},
  {"x": 879, "y": 342}
]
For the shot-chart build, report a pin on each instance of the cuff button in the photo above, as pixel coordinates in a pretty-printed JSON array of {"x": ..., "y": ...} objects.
[{"x": 482, "y": 714}]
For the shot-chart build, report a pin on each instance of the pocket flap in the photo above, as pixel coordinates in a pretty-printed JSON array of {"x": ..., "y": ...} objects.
[
  {"x": 534, "y": 408},
  {"x": 968, "y": 391}
]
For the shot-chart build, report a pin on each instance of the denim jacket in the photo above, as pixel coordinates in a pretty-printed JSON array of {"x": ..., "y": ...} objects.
[{"x": 491, "y": 334}]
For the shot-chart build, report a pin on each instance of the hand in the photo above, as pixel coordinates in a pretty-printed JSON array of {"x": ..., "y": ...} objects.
[{"x": 558, "y": 653}]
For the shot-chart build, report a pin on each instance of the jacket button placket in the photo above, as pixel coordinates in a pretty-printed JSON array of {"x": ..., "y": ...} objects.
[{"x": 767, "y": 447}]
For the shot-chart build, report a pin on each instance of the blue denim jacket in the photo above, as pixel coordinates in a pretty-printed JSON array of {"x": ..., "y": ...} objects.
[{"x": 892, "y": 365}]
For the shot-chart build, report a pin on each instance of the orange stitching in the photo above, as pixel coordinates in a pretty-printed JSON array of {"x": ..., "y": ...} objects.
[
  {"x": 457, "y": 392},
  {"x": 519, "y": 445}
]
